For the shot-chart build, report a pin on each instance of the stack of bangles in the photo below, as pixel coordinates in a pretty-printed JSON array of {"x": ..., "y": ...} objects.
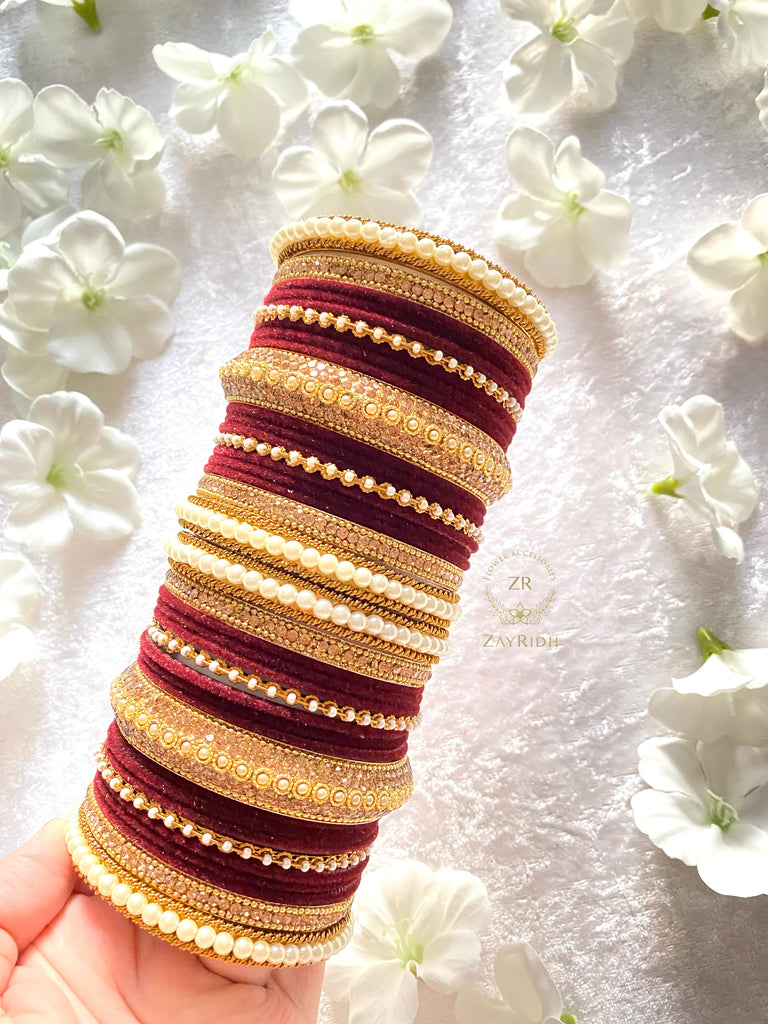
[{"x": 262, "y": 731}]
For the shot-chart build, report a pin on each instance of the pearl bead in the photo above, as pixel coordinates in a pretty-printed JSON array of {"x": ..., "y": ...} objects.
[
  {"x": 362, "y": 577},
  {"x": 305, "y": 954},
  {"x": 425, "y": 247},
  {"x": 151, "y": 913},
  {"x": 340, "y": 614},
  {"x": 252, "y": 580},
  {"x": 408, "y": 595},
  {"x": 206, "y": 563},
  {"x": 291, "y": 956},
  {"x": 223, "y": 943},
  {"x": 310, "y": 558},
  {"x": 286, "y": 594},
  {"x": 403, "y": 636},
  {"x": 168, "y": 922},
  {"x": 379, "y": 583},
  {"x": 107, "y": 883},
  {"x": 357, "y": 621},
  {"x": 478, "y": 269},
  {"x": 206, "y": 936},
  {"x": 461, "y": 262},
  {"x": 305, "y": 600},
  {"x": 327, "y": 950},
  {"x": 260, "y": 952},
  {"x": 136, "y": 903},
  {"x": 186, "y": 930},
  {"x": 235, "y": 573},
  {"x": 345, "y": 571},
  {"x": 275, "y": 545},
  {"x": 268, "y": 588},
  {"x": 243, "y": 533},
  {"x": 228, "y": 527},
  {"x": 327, "y": 564},
  {"x": 95, "y": 871},
  {"x": 419, "y": 599},
  {"x": 443, "y": 255},
  {"x": 293, "y": 550},
  {"x": 276, "y": 953},
  {"x": 389, "y": 632},
  {"x": 120, "y": 894},
  {"x": 258, "y": 539},
  {"x": 394, "y": 590},
  {"x": 317, "y": 953},
  {"x": 323, "y": 609},
  {"x": 242, "y": 948},
  {"x": 374, "y": 625}
]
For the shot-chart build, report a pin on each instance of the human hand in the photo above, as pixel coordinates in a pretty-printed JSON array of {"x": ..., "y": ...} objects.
[{"x": 68, "y": 957}]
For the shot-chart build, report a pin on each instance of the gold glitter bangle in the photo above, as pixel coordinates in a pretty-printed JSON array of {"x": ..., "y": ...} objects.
[
  {"x": 392, "y": 556},
  {"x": 415, "y": 349},
  {"x": 396, "y": 630},
  {"x": 298, "y": 636},
  {"x": 247, "y": 767},
  {"x": 237, "y": 535},
  {"x": 358, "y": 270},
  {"x": 267, "y": 855},
  {"x": 260, "y": 919},
  {"x": 368, "y": 410},
  {"x": 236, "y": 677},
  {"x": 349, "y": 478}
]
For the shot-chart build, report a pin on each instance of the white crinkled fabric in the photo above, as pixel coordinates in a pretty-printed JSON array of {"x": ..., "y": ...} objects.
[{"x": 528, "y": 757}]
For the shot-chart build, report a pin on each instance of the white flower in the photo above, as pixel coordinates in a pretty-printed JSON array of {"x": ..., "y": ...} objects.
[
  {"x": 65, "y": 470},
  {"x": 672, "y": 15},
  {"x": 708, "y": 807},
  {"x": 560, "y": 217},
  {"x": 762, "y": 103},
  {"x": 33, "y": 230},
  {"x": 345, "y": 45},
  {"x": 528, "y": 994},
  {"x": 242, "y": 96},
  {"x": 743, "y": 25},
  {"x": 28, "y": 369},
  {"x": 726, "y": 696},
  {"x": 572, "y": 40},
  {"x": 18, "y": 597},
  {"x": 707, "y": 470},
  {"x": 94, "y": 302},
  {"x": 117, "y": 139},
  {"x": 346, "y": 171},
  {"x": 85, "y": 8},
  {"x": 411, "y": 925},
  {"x": 733, "y": 257},
  {"x": 29, "y": 184}
]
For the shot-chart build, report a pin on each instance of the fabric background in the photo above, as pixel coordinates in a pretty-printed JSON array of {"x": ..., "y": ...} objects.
[{"x": 527, "y": 759}]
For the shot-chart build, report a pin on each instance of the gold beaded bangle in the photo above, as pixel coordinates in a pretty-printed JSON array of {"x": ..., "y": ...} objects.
[
  {"x": 511, "y": 332},
  {"x": 298, "y": 636},
  {"x": 190, "y": 548},
  {"x": 368, "y": 410},
  {"x": 349, "y": 478},
  {"x": 392, "y": 556},
  {"x": 236, "y": 535},
  {"x": 177, "y": 646},
  {"x": 196, "y": 895},
  {"x": 119, "y": 785},
  {"x": 249, "y": 768},
  {"x": 415, "y": 349}
]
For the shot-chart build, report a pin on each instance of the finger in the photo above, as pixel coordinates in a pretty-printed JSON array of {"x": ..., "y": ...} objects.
[
  {"x": 301, "y": 986},
  {"x": 35, "y": 882}
]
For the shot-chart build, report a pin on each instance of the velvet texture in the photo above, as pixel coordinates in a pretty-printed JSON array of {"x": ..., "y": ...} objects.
[{"x": 236, "y": 644}]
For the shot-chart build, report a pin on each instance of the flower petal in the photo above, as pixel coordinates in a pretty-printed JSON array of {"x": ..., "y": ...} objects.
[
  {"x": 525, "y": 984},
  {"x": 110, "y": 190},
  {"x": 329, "y": 59},
  {"x": 31, "y": 375},
  {"x": 11, "y": 212},
  {"x": 90, "y": 341},
  {"x": 539, "y": 76},
  {"x": 728, "y": 543},
  {"x": 147, "y": 270},
  {"x": 696, "y": 433},
  {"x": 574, "y": 173},
  {"x": 92, "y": 246},
  {"x": 724, "y": 259},
  {"x": 448, "y": 960},
  {"x": 531, "y": 164},
  {"x": 148, "y": 322},
  {"x": 302, "y": 177},
  {"x": 398, "y": 155},
  {"x": 701, "y": 718},
  {"x": 284, "y": 82},
  {"x": 602, "y": 230},
  {"x": 474, "y": 1006},
  {"x": 675, "y": 823},
  {"x": 761, "y": 102},
  {"x": 376, "y": 80},
  {"x": 114, "y": 451},
  {"x": 558, "y": 261},
  {"x": 418, "y": 28},
  {"x": 38, "y": 184},
  {"x": 16, "y": 117},
  {"x": 248, "y": 118},
  {"x": 106, "y": 506},
  {"x": 26, "y": 456},
  {"x": 670, "y": 764},
  {"x": 748, "y": 308},
  {"x": 66, "y": 126},
  {"x": 195, "y": 105},
  {"x": 736, "y": 863},
  {"x": 185, "y": 62},
  {"x": 522, "y": 220},
  {"x": 386, "y": 205},
  {"x": 599, "y": 73},
  {"x": 535, "y": 11},
  {"x": 339, "y": 134},
  {"x": 714, "y": 676},
  {"x": 141, "y": 139},
  {"x": 613, "y": 32},
  {"x": 41, "y": 521},
  {"x": 729, "y": 488},
  {"x": 36, "y": 283},
  {"x": 73, "y": 420},
  {"x": 18, "y": 588}
]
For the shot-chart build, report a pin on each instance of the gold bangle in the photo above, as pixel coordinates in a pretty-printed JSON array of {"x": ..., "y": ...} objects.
[
  {"x": 390, "y": 555},
  {"x": 118, "y": 784},
  {"x": 197, "y": 895},
  {"x": 297, "y": 636},
  {"x": 358, "y": 270},
  {"x": 415, "y": 349},
  {"x": 349, "y": 478},
  {"x": 165, "y": 639},
  {"x": 236, "y": 535},
  {"x": 191, "y": 549},
  {"x": 247, "y": 767},
  {"x": 368, "y": 410}
]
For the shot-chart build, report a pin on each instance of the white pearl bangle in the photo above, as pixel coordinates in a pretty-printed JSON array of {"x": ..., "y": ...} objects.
[
  {"x": 204, "y": 937},
  {"x": 304, "y": 600},
  {"x": 310, "y": 558},
  {"x": 430, "y": 250}
]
